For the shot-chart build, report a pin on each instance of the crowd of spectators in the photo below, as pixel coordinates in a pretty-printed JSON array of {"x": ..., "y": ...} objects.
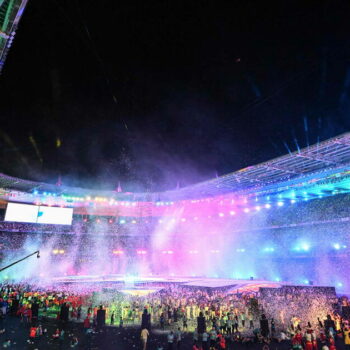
[{"x": 179, "y": 317}]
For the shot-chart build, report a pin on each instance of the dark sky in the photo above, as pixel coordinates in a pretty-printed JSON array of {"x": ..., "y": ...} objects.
[{"x": 159, "y": 93}]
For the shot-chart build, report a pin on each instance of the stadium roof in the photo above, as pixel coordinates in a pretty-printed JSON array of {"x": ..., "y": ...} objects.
[
  {"x": 10, "y": 14},
  {"x": 324, "y": 162}
]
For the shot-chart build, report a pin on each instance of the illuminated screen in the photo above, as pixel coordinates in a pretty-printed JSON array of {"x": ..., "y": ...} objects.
[
  {"x": 21, "y": 212},
  {"x": 41, "y": 215},
  {"x": 54, "y": 215}
]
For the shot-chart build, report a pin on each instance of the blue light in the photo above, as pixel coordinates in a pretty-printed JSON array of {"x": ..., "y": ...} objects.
[
  {"x": 122, "y": 221},
  {"x": 336, "y": 246},
  {"x": 305, "y": 246},
  {"x": 339, "y": 284},
  {"x": 35, "y": 192},
  {"x": 306, "y": 281},
  {"x": 280, "y": 204},
  {"x": 293, "y": 201},
  {"x": 277, "y": 279}
]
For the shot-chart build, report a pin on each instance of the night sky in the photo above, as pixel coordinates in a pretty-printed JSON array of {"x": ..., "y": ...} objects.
[{"x": 160, "y": 94}]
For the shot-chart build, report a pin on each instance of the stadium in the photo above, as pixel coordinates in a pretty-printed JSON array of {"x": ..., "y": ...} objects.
[
  {"x": 254, "y": 224},
  {"x": 149, "y": 94}
]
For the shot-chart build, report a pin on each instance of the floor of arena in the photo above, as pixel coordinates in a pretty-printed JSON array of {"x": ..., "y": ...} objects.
[{"x": 145, "y": 282}]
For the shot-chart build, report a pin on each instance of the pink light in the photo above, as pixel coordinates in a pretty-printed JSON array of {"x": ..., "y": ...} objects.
[
  {"x": 221, "y": 215},
  {"x": 118, "y": 252},
  {"x": 141, "y": 252},
  {"x": 110, "y": 221},
  {"x": 183, "y": 219},
  {"x": 246, "y": 210},
  {"x": 232, "y": 212},
  {"x": 167, "y": 252}
]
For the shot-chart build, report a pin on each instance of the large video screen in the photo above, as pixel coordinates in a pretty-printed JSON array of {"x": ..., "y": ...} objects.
[
  {"x": 21, "y": 212},
  {"x": 54, "y": 215},
  {"x": 38, "y": 214}
]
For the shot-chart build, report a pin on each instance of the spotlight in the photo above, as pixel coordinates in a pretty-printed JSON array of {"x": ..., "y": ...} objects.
[{"x": 305, "y": 246}]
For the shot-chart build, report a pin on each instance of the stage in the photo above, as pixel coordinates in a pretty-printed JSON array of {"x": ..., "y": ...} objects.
[{"x": 122, "y": 282}]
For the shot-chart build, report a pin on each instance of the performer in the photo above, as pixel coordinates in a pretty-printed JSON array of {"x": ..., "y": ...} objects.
[
  {"x": 308, "y": 340},
  {"x": 332, "y": 344},
  {"x": 297, "y": 341},
  {"x": 314, "y": 340}
]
